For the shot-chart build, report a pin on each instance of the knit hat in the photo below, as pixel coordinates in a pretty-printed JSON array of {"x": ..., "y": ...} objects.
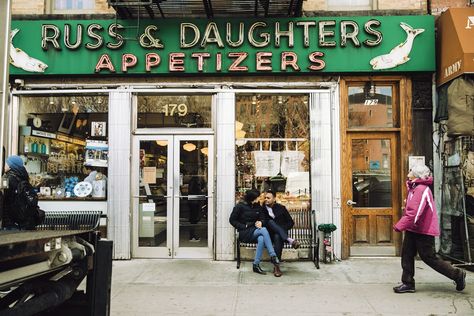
[
  {"x": 420, "y": 171},
  {"x": 14, "y": 162}
]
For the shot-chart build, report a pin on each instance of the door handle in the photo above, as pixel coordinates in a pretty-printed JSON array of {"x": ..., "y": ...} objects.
[
  {"x": 150, "y": 196},
  {"x": 350, "y": 202},
  {"x": 195, "y": 197}
]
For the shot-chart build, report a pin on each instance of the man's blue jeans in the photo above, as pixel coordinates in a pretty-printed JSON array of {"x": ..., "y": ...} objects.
[
  {"x": 279, "y": 236},
  {"x": 263, "y": 240}
]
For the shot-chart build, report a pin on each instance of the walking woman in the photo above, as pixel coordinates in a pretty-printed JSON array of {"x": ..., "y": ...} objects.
[
  {"x": 248, "y": 218},
  {"x": 420, "y": 223}
]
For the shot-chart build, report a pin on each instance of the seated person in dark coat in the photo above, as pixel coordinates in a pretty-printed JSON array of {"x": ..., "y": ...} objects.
[
  {"x": 248, "y": 218},
  {"x": 279, "y": 223}
]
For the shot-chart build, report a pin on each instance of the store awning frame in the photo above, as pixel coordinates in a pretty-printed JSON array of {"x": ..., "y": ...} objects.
[{"x": 455, "y": 43}]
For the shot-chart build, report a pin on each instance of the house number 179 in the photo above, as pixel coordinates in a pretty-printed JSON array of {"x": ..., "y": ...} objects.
[{"x": 173, "y": 109}]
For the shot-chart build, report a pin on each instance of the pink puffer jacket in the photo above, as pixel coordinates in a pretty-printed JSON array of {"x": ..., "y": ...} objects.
[{"x": 420, "y": 211}]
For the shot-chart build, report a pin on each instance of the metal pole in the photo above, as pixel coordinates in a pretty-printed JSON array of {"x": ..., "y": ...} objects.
[{"x": 5, "y": 17}]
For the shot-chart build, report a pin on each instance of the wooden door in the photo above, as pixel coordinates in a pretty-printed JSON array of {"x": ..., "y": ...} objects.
[
  {"x": 375, "y": 140},
  {"x": 371, "y": 193}
]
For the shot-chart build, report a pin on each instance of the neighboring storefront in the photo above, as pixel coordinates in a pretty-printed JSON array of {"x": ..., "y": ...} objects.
[
  {"x": 455, "y": 114},
  {"x": 164, "y": 127}
]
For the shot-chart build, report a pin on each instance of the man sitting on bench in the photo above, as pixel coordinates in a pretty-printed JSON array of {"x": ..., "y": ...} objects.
[{"x": 279, "y": 223}]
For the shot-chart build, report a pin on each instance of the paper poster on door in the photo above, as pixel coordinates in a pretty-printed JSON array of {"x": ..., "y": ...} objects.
[{"x": 149, "y": 175}]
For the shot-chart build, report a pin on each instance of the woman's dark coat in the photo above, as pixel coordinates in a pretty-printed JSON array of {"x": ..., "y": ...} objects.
[
  {"x": 243, "y": 218},
  {"x": 15, "y": 176}
]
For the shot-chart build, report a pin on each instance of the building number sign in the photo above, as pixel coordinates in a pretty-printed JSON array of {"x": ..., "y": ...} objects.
[{"x": 175, "y": 109}]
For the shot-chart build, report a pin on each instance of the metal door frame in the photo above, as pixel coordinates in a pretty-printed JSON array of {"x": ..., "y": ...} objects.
[{"x": 172, "y": 249}]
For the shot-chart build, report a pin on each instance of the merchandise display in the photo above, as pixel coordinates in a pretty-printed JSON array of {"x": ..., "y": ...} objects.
[{"x": 61, "y": 146}]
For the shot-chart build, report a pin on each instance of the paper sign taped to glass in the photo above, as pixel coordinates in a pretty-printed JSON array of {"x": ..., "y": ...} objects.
[
  {"x": 291, "y": 161},
  {"x": 267, "y": 163},
  {"x": 297, "y": 183}
]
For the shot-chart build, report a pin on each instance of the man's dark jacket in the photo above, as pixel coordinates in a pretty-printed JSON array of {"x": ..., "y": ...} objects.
[{"x": 282, "y": 217}]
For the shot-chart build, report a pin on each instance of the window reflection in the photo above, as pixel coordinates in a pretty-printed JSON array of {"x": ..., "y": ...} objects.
[
  {"x": 371, "y": 174},
  {"x": 370, "y": 105}
]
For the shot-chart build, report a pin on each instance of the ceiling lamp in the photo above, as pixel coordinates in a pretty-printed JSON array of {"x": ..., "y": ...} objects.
[
  {"x": 162, "y": 143},
  {"x": 189, "y": 147},
  {"x": 205, "y": 150}
]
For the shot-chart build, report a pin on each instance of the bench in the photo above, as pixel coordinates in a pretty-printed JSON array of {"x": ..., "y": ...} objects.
[{"x": 304, "y": 231}]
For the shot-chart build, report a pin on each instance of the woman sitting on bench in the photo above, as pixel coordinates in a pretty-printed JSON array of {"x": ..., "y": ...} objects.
[{"x": 248, "y": 218}]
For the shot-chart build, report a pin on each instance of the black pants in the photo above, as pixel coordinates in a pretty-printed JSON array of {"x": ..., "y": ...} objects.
[
  {"x": 425, "y": 246},
  {"x": 278, "y": 235}
]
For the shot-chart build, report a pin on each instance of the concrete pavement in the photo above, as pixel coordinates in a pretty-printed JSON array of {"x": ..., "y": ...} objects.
[{"x": 350, "y": 287}]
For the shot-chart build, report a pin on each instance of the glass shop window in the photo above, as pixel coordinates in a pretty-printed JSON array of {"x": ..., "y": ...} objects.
[
  {"x": 371, "y": 106},
  {"x": 180, "y": 111},
  {"x": 272, "y": 147},
  {"x": 64, "y": 144}
]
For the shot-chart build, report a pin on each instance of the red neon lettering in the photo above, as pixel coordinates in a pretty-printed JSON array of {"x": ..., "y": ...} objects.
[
  {"x": 151, "y": 60},
  {"x": 289, "y": 59},
  {"x": 128, "y": 60},
  {"x": 176, "y": 62},
  {"x": 104, "y": 63},
  {"x": 320, "y": 64},
  {"x": 200, "y": 59},
  {"x": 240, "y": 58},
  {"x": 263, "y": 60}
]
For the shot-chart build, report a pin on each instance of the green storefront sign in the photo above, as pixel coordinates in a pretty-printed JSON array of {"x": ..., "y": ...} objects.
[{"x": 304, "y": 45}]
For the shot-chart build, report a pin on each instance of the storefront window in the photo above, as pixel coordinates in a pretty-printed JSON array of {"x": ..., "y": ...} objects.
[
  {"x": 370, "y": 106},
  {"x": 64, "y": 144},
  {"x": 272, "y": 146},
  {"x": 184, "y": 111}
]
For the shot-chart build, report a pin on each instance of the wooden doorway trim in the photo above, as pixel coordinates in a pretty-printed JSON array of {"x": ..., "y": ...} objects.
[{"x": 403, "y": 100}]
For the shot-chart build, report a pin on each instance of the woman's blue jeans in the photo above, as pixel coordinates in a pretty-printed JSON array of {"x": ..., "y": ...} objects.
[{"x": 263, "y": 240}]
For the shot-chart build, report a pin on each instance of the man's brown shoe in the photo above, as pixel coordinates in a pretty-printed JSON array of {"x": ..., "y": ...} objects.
[
  {"x": 277, "y": 271},
  {"x": 295, "y": 244}
]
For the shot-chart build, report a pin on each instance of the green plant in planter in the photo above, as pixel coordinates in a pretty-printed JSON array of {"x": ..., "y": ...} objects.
[{"x": 327, "y": 228}]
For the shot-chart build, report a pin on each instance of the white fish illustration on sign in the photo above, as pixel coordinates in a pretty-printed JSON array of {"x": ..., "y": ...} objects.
[
  {"x": 399, "y": 54},
  {"x": 20, "y": 59}
]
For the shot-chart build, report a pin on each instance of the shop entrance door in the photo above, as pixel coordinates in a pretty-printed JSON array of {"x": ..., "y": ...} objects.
[
  {"x": 173, "y": 196},
  {"x": 370, "y": 193}
]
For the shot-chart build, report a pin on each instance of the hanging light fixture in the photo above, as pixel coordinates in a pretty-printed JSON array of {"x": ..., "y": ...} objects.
[
  {"x": 189, "y": 146},
  {"x": 254, "y": 99},
  {"x": 51, "y": 100},
  {"x": 162, "y": 143},
  {"x": 205, "y": 151}
]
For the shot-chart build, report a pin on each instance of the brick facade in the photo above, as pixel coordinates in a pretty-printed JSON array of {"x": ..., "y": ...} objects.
[
  {"x": 321, "y": 5},
  {"x": 28, "y": 7},
  {"x": 44, "y": 7}
]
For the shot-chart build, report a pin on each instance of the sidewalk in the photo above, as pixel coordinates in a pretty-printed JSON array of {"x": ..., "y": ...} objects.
[{"x": 351, "y": 287}]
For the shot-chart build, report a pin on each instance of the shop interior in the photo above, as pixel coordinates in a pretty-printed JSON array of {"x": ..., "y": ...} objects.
[{"x": 273, "y": 147}]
